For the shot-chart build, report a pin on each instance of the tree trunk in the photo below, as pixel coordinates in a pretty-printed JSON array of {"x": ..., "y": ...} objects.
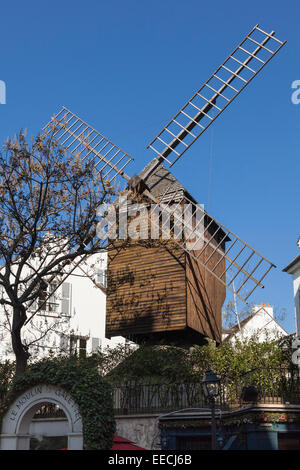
[{"x": 20, "y": 350}]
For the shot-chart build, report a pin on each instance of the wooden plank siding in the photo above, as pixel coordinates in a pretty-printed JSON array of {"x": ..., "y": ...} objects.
[
  {"x": 160, "y": 291},
  {"x": 151, "y": 290},
  {"x": 146, "y": 291},
  {"x": 205, "y": 295}
]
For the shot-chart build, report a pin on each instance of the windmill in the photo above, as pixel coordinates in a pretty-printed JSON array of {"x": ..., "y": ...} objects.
[{"x": 175, "y": 293}]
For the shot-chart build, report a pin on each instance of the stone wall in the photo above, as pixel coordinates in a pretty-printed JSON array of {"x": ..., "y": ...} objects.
[{"x": 141, "y": 429}]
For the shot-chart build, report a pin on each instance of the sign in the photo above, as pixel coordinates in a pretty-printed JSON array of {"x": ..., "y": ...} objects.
[{"x": 16, "y": 422}]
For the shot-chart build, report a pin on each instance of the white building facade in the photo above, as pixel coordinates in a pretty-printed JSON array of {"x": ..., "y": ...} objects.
[
  {"x": 260, "y": 324},
  {"x": 71, "y": 320},
  {"x": 294, "y": 269}
]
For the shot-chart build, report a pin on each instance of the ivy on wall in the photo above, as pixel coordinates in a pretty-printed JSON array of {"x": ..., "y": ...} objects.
[{"x": 81, "y": 379}]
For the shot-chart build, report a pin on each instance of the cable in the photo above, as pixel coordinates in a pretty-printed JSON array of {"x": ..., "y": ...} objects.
[{"x": 210, "y": 167}]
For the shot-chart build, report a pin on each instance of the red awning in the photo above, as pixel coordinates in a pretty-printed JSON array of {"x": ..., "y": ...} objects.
[{"x": 121, "y": 443}]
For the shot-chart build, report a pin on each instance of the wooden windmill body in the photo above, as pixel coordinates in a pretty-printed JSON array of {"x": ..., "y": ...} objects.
[
  {"x": 160, "y": 293},
  {"x": 172, "y": 292}
]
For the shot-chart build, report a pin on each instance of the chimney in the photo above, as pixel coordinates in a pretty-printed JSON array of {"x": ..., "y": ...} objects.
[{"x": 266, "y": 307}]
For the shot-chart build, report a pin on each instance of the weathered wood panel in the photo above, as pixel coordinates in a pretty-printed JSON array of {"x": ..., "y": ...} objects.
[
  {"x": 160, "y": 289},
  {"x": 146, "y": 291},
  {"x": 205, "y": 294}
]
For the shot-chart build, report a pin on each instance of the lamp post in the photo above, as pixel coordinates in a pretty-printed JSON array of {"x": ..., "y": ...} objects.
[{"x": 211, "y": 389}]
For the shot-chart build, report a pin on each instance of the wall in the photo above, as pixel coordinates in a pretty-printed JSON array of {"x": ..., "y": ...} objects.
[
  {"x": 296, "y": 282},
  {"x": 146, "y": 291},
  {"x": 262, "y": 325},
  {"x": 49, "y": 427},
  {"x": 80, "y": 310},
  {"x": 139, "y": 429},
  {"x": 88, "y": 304},
  {"x": 205, "y": 293}
]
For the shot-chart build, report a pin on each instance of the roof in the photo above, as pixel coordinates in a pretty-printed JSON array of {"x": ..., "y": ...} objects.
[
  {"x": 161, "y": 182},
  {"x": 163, "y": 185},
  {"x": 289, "y": 268},
  {"x": 235, "y": 328},
  {"x": 121, "y": 443}
]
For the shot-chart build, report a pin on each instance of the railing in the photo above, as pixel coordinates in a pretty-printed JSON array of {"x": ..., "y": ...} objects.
[
  {"x": 135, "y": 397},
  {"x": 273, "y": 386}
]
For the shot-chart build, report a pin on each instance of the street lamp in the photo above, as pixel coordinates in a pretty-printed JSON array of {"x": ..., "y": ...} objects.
[{"x": 211, "y": 389}]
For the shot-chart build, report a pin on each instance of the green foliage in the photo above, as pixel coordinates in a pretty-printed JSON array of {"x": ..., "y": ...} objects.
[
  {"x": 7, "y": 370},
  {"x": 153, "y": 364},
  {"x": 233, "y": 360},
  {"x": 168, "y": 364},
  {"x": 80, "y": 378}
]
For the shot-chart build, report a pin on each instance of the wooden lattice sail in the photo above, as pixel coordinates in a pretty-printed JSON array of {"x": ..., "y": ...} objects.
[
  {"x": 213, "y": 97},
  {"x": 176, "y": 291}
]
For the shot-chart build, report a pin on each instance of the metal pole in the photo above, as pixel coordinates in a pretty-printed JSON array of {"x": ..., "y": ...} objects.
[{"x": 213, "y": 425}]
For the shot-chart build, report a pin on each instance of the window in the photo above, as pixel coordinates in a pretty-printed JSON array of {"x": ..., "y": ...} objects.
[
  {"x": 47, "y": 299},
  {"x": 42, "y": 295},
  {"x": 53, "y": 299},
  {"x": 78, "y": 345}
]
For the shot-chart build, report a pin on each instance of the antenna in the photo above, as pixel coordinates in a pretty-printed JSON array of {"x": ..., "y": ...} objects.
[{"x": 222, "y": 87}]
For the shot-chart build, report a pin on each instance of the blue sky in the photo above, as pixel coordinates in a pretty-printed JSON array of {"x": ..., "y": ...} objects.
[{"x": 126, "y": 68}]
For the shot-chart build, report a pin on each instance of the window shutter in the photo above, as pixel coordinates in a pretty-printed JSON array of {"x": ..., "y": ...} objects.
[
  {"x": 66, "y": 299},
  {"x": 297, "y": 305},
  {"x": 95, "y": 344},
  {"x": 101, "y": 277}
]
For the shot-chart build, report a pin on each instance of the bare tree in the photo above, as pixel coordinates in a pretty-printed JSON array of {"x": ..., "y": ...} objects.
[
  {"x": 48, "y": 217},
  {"x": 233, "y": 314}
]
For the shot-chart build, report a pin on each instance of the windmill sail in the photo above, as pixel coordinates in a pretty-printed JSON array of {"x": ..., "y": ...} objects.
[
  {"x": 224, "y": 85},
  {"x": 245, "y": 268},
  {"x": 82, "y": 140}
]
